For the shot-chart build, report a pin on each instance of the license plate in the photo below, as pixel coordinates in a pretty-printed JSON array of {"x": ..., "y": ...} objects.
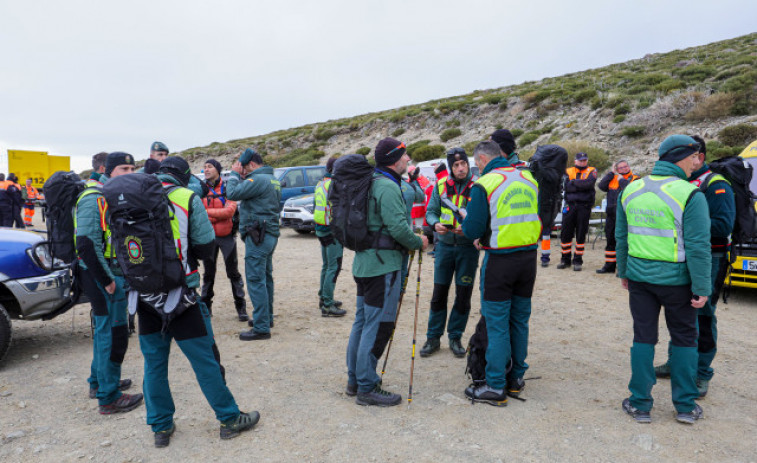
[
  {"x": 290, "y": 215},
  {"x": 750, "y": 265}
]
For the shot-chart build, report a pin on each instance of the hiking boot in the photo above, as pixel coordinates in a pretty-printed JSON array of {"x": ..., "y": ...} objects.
[
  {"x": 563, "y": 265},
  {"x": 332, "y": 311},
  {"x": 253, "y": 335},
  {"x": 351, "y": 390},
  {"x": 486, "y": 394},
  {"x": 515, "y": 387},
  {"x": 125, "y": 403},
  {"x": 662, "y": 371},
  {"x": 163, "y": 438},
  {"x": 123, "y": 385},
  {"x": 577, "y": 267},
  {"x": 337, "y": 303},
  {"x": 606, "y": 269},
  {"x": 639, "y": 415},
  {"x": 378, "y": 397},
  {"x": 243, "y": 422},
  {"x": 431, "y": 346},
  {"x": 690, "y": 417},
  {"x": 457, "y": 348},
  {"x": 702, "y": 386},
  {"x": 545, "y": 263},
  {"x": 242, "y": 311}
]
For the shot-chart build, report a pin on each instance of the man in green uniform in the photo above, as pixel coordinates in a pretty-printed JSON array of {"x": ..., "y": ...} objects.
[
  {"x": 377, "y": 274},
  {"x": 191, "y": 329},
  {"x": 331, "y": 249},
  {"x": 663, "y": 252},
  {"x": 721, "y": 205},
  {"x": 254, "y": 185},
  {"x": 103, "y": 283},
  {"x": 503, "y": 215},
  {"x": 456, "y": 256}
]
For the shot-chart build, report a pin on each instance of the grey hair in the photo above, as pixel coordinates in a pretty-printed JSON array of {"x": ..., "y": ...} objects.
[{"x": 487, "y": 148}]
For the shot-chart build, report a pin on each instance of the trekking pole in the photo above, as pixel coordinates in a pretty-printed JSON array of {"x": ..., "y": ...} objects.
[
  {"x": 415, "y": 326},
  {"x": 399, "y": 307}
]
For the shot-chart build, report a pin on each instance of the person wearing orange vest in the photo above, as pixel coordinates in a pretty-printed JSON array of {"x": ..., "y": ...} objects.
[
  {"x": 579, "y": 196},
  {"x": 613, "y": 184},
  {"x": 30, "y": 195},
  {"x": 6, "y": 203}
]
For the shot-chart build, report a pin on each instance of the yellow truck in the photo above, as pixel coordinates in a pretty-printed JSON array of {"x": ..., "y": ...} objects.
[
  {"x": 36, "y": 165},
  {"x": 744, "y": 268}
]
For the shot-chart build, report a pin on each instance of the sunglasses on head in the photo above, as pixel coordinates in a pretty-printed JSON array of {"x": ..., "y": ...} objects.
[{"x": 401, "y": 146}]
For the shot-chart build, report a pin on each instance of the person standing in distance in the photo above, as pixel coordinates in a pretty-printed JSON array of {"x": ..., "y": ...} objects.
[
  {"x": 377, "y": 273},
  {"x": 579, "y": 197},
  {"x": 253, "y": 183},
  {"x": 503, "y": 215},
  {"x": 613, "y": 184},
  {"x": 664, "y": 259}
]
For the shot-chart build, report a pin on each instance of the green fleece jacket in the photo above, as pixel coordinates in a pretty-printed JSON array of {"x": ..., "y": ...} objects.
[
  {"x": 201, "y": 234},
  {"x": 696, "y": 238},
  {"x": 260, "y": 195},
  {"x": 434, "y": 209},
  {"x": 386, "y": 212}
]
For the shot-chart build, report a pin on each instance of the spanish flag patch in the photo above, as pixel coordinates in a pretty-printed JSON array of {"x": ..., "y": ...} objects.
[{"x": 720, "y": 191}]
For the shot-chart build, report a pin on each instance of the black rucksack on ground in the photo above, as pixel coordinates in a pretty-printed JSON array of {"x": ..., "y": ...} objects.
[
  {"x": 349, "y": 193},
  {"x": 62, "y": 190},
  {"x": 548, "y": 166},
  {"x": 475, "y": 366},
  {"x": 739, "y": 174},
  {"x": 141, "y": 235}
]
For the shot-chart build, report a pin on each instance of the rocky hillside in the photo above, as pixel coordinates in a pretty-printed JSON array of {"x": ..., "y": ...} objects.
[{"x": 618, "y": 111}]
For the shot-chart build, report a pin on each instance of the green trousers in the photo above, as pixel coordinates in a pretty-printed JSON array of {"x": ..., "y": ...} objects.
[
  {"x": 331, "y": 255},
  {"x": 460, "y": 262}
]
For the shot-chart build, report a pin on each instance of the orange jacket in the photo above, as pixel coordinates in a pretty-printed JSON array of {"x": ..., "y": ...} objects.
[{"x": 220, "y": 210}]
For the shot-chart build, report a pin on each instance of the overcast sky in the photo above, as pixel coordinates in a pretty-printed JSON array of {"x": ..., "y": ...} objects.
[{"x": 79, "y": 77}]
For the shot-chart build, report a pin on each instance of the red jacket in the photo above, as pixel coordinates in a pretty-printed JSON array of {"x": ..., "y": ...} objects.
[{"x": 220, "y": 210}]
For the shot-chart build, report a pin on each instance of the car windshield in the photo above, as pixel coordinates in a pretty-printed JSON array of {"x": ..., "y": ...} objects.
[{"x": 278, "y": 172}]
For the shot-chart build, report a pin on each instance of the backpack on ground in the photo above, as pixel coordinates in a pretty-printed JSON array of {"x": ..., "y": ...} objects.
[
  {"x": 62, "y": 190},
  {"x": 739, "y": 174},
  {"x": 475, "y": 366},
  {"x": 141, "y": 234},
  {"x": 349, "y": 194},
  {"x": 548, "y": 166}
]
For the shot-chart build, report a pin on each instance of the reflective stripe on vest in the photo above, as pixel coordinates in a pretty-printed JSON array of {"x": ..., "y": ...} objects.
[
  {"x": 102, "y": 209},
  {"x": 447, "y": 217},
  {"x": 512, "y": 195},
  {"x": 180, "y": 198},
  {"x": 697, "y": 182},
  {"x": 322, "y": 211},
  {"x": 654, "y": 209}
]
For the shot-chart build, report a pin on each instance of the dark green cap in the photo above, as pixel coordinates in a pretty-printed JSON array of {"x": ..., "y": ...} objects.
[{"x": 159, "y": 146}]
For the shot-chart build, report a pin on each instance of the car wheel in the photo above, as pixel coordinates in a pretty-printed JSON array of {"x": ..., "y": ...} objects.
[
  {"x": 5, "y": 332},
  {"x": 303, "y": 232}
]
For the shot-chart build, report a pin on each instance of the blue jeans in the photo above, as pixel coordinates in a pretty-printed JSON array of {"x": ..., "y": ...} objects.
[
  {"x": 258, "y": 269},
  {"x": 377, "y": 299}
]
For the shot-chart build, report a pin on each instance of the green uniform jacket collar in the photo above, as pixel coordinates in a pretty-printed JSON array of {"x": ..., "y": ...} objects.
[
  {"x": 260, "y": 171},
  {"x": 495, "y": 163},
  {"x": 168, "y": 179},
  {"x": 668, "y": 169}
]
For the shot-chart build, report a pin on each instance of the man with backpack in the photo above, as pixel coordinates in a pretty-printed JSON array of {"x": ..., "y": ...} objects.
[
  {"x": 579, "y": 199},
  {"x": 455, "y": 256},
  {"x": 504, "y": 138},
  {"x": 613, "y": 184},
  {"x": 103, "y": 283},
  {"x": 221, "y": 212},
  {"x": 720, "y": 201},
  {"x": 331, "y": 249},
  {"x": 664, "y": 259},
  {"x": 253, "y": 183},
  {"x": 378, "y": 260},
  {"x": 181, "y": 228},
  {"x": 508, "y": 271},
  {"x": 159, "y": 152}
]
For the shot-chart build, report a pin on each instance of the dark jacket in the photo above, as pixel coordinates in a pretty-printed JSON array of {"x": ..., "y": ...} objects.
[
  {"x": 581, "y": 190},
  {"x": 258, "y": 194},
  {"x": 722, "y": 206},
  {"x": 614, "y": 189}
]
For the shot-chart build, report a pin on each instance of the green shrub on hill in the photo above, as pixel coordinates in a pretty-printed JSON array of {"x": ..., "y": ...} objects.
[
  {"x": 363, "y": 150},
  {"x": 298, "y": 157},
  {"x": 717, "y": 150},
  {"x": 633, "y": 131},
  {"x": 619, "y": 118},
  {"x": 428, "y": 152},
  {"x": 528, "y": 138},
  {"x": 598, "y": 158},
  {"x": 738, "y": 135},
  {"x": 398, "y": 132},
  {"x": 744, "y": 89},
  {"x": 324, "y": 134},
  {"x": 449, "y": 134},
  {"x": 414, "y": 146}
]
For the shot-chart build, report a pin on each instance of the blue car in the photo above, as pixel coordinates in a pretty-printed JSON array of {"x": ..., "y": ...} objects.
[
  {"x": 297, "y": 181},
  {"x": 32, "y": 285}
]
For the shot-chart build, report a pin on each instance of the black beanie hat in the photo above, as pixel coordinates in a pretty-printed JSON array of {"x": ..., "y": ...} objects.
[
  {"x": 504, "y": 139},
  {"x": 115, "y": 159},
  {"x": 151, "y": 166},
  {"x": 177, "y": 167},
  {"x": 389, "y": 151},
  {"x": 330, "y": 164},
  {"x": 456, "y": 154},
  {"x": 215, "y": 164}
]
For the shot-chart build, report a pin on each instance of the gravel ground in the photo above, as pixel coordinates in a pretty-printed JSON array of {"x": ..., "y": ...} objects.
[{"x": 579, "y": 349}]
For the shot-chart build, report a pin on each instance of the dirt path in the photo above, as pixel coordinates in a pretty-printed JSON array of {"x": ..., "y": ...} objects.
[{"x": 580, "y": 339}]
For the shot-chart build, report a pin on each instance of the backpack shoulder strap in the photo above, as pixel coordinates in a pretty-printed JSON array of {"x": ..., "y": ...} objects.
[{"x": 706, "y": 182}]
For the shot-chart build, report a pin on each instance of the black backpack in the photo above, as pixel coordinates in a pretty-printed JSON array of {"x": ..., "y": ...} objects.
[
  {"x": 548, "y": 166},
  {"x": 141, "y": 235},
  {"x": 62, "y": 190},
  {"x": 475, "y": 366},
  {"x": 739, "y": 173},
  {"x": 349, "y": 193}
]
